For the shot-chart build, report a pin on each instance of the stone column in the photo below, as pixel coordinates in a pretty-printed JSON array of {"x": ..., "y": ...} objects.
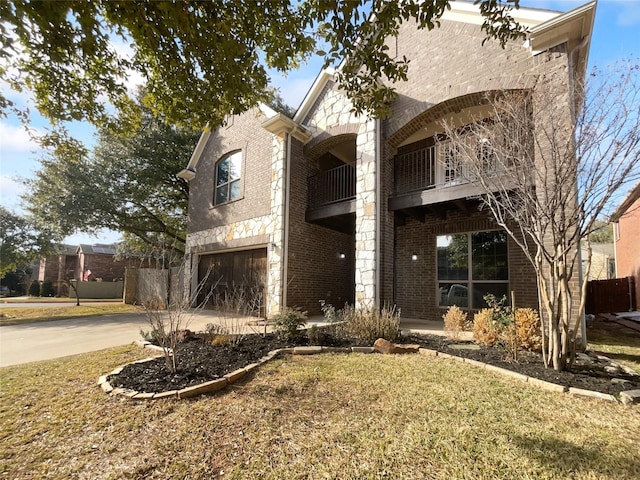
[
  {"x": 365, "y": 274},
  {"x": 273, "y": 302}
]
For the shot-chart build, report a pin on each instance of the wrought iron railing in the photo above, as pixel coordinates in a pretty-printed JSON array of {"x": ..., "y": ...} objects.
[{"x": 331, "y": 186}]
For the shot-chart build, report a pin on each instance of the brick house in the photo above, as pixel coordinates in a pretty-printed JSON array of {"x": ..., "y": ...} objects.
[
  {"x": 332, "y": 206},
  {"x": 82, "y": 262},
  {"x": 626, "y": 231}
]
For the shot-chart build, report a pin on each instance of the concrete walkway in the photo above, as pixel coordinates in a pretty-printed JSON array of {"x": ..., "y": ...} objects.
[{"x": 47, "y": 340}]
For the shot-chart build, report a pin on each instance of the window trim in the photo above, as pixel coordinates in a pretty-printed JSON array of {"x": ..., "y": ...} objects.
[
  {"x": 469, "y": 282},
  {"x": 229, "y": 182}
]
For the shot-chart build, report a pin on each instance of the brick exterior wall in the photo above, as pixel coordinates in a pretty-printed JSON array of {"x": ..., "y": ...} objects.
[
  {"x": 315, "y": 270},
  {"x": 627, "y": 233},
  {"x": 244, "y": 132},
  {"x": 416, "y": 280},
  {"x": 450, "y": 72}
]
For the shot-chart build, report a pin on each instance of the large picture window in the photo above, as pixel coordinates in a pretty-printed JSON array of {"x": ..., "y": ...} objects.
[
  {"x": 227, "y": 186},
  {"x": 471, "y": 265}
]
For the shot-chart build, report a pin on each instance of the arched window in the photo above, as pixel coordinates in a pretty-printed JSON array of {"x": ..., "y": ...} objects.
[{"x": 227, "y": 186}]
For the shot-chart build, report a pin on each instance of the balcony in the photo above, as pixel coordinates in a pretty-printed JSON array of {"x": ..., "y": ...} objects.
[
  {"x": 429, "y": 176},
  {"x": 331, "y": 198}
]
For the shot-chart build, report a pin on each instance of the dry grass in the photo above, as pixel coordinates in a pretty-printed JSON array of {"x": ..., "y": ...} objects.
[
  {"x": 618, "y": 342},
  {"x": 20, "y": 315},
  {"x": 327, "y": 416}
]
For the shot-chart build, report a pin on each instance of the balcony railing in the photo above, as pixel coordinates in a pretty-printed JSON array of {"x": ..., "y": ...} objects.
[
  {"x": 415, "y": 170},
  {"x": 332, "y": 186},
  {"x": 423, "y": 169}
]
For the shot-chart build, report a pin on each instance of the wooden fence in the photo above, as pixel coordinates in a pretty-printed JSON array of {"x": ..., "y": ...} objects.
[{"x": 608, "y": 296}]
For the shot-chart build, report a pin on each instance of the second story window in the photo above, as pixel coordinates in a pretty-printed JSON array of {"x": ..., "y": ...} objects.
[{"x": 228, "y": 171}]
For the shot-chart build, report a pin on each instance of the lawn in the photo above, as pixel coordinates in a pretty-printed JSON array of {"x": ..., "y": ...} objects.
[
  {"x": 19, "y": 315},
  {"x": 616, "y": 341},
  {"x": 326, "y": 416}
]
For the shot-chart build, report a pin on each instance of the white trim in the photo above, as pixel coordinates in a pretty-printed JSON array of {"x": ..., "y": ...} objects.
[
  {"x": 189, "y": 173},
  {"x": 321, "y": 80}
]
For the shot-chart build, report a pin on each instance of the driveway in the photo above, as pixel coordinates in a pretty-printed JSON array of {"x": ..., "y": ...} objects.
[{"x": 59, "y": 338}]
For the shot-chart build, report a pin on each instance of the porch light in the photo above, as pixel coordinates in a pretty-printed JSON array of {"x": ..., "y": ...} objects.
[
  {"x": 342, "y": 256},
  {"x": 414, "y": 257}
]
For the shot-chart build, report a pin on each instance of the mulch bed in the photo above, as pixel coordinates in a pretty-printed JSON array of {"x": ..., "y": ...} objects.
[{"x": 200, "y": 361}]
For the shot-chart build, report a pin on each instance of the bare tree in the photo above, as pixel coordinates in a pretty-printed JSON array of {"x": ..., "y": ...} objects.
[{"x": 548, "y": 164}]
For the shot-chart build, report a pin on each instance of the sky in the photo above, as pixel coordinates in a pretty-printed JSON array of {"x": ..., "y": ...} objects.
[{"x": 616, "y": 35}]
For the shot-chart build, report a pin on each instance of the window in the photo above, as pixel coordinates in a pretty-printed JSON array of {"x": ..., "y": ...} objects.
[
  {"x": 227, "y": 184},
  {"x": 471, "y": 265}
]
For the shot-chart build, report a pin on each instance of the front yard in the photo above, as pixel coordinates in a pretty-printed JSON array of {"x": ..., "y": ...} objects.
[{"x": 327, "y": 416}]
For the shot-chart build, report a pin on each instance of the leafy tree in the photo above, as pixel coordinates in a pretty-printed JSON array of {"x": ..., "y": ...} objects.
[
  {"x": 603, "y": 232},
  {"x": 204, "y": 60},
  {"x": 20, "y": 241},
  {"x": 127, "y": 184},
  {"x": 548, "y": 190}
]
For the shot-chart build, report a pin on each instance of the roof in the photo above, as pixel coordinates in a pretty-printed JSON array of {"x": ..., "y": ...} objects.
[
  {"x": 97, "y": 249},
  {"x": 65, "y": 249},
  {"x": 626, "y": 204}
]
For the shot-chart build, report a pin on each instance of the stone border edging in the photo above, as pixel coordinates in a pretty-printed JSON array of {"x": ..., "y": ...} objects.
[{"x": 626, "y": 397}]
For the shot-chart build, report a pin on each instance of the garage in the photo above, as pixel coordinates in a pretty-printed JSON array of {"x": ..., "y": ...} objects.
[{"x": 234, "y": 281}]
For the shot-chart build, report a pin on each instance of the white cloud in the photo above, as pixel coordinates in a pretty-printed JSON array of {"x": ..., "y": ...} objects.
[
  {"x": 16, "y": 139},
  {"x": 10, "y": 191}
]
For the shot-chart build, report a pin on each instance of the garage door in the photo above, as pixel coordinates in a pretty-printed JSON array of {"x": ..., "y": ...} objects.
[{"x": 234, "y": 281}]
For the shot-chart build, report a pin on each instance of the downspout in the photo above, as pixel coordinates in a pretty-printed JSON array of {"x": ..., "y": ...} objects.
[{"x": 378, "y": 197}]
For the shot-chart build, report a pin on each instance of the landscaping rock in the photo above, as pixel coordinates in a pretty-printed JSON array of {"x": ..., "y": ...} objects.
[
  {"x": 630, "y": 396},
  {"x": 385, "y": 346}
]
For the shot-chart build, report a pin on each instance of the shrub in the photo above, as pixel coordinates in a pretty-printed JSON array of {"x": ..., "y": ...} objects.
[
  {"x": 316, "y": 336},
  {"x": 366, "y": 325},
  {"x": 46, "y": 289},
  {"x": 34, "y": 289},
  {"x": 288, "y": 321},
  {"x": 221, "y": 339},
  {"x": 213, "y": 330},
  {"x": 150, "y": 336},
  {"x": 485, "y": 329},
  {"x": 455, "y": 321},
  {"x": 528, "y": 331}
]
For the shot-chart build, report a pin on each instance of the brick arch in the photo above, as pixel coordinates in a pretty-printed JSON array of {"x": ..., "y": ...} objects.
[
  {"x": 441, "y": 110},
  {"x": 329, "y": 138}
]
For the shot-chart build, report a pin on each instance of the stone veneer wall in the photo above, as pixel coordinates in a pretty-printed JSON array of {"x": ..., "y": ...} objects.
[
  {"x": 255, "y": 220},
  {"x": 329, "y": 112}
]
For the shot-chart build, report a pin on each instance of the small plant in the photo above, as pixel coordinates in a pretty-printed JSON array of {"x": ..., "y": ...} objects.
[
  {"x": 34, "y": 289},
  {"x": 315, "y": 336},
  {"x": 288, "y": 321},
  {"x": 485, "y": 329},
  {"x": 528, "y": 329},
  {"x": 329, "y": 312},
  {"x": 150, "y": 336},
  {"x": 366, "y": 325},
  {"x": 213, "y": 330},
  {"x": 455, "y": 322},
  {"x": 46, "y": 289},
  {"x": 221, "y": 339}
]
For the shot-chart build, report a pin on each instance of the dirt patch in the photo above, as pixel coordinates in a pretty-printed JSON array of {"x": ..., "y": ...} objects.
[{"x": 201, "y": 361}]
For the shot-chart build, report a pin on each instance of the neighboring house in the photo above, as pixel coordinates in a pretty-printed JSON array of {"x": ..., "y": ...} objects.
[
  {"x": 603, "y": 261},
  {"x": 58, "y": 268},
  {"x": 337, "y": 207},
  {"x": 83, "y": 263},
  {"x": 97, "y": 262},
  {"x": 626, "y": 239}
]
